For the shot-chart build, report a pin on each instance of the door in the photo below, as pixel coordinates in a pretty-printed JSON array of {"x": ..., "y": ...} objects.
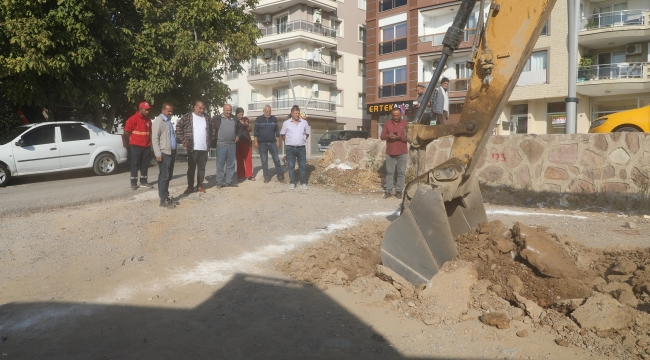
[
  {"x": 281, "y": 24},
  {"x": 76, "y": 146},
  {"x": 608, "y": 64},
  {"x": 40, "y": 152},
  {"x": 281, "y": 99},
  {"x": 612, "y": 14}
]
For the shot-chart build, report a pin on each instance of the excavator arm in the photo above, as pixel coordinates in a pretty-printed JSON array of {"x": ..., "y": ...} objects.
[{"x": 446, "y": 201}]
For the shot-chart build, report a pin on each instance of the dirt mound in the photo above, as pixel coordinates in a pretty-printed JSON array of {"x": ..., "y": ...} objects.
[
  {"x": 346, "y": 181},
  {"x": 589, "y": 298}
]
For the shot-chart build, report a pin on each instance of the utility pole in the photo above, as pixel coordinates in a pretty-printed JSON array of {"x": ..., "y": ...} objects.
[{"x": 572, "y": 44}]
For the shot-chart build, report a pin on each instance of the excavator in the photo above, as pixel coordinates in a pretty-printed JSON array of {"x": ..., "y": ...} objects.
[{"x": 445, "y": 201}]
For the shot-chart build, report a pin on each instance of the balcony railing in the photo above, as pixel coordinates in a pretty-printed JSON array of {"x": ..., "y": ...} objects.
[
  {"x": 392, "y": 90},
  {"x": 293, "y": 64},
  {"x": 614, "y": 18},
  {"x": 232, "y": 75},
  {"x": 454, "y": 84},
  {"x": 533, "y": 77},
  {"x": 392, "y": 46},
  {"x": 385, "y": 5},
  {"x": 611, "y": 71},
  {"x": 282, "y": 104},
  {"x": 436, "y": 39},
  {"x": 299, "y": 25}
]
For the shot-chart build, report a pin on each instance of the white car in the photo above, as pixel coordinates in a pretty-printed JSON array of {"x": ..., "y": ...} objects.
[{"x": 59, "y": 146}]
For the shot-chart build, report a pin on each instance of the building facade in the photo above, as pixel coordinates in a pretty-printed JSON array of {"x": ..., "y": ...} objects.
[
  {"x": 320, "y": 44},
  {"x": 404, "y": 43}
]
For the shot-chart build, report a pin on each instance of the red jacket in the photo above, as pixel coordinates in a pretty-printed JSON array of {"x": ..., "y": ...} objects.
[
  {"x": 397, "y": 146},
  {"x": 139, "y": 128}
]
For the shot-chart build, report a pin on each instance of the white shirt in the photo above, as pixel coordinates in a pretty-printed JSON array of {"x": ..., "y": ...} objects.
[
  {"x": 295, "y": 134},
  {"x": 445, "y": 106},
  {"x": 199, "y": 131}
]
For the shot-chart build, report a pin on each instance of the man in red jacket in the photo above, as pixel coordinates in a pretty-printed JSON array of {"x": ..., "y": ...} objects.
[
  {"x": 138, "y": 129},
  {"x": 396, "y": 153}
]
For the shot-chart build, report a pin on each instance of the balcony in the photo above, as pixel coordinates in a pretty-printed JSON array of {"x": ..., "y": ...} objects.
[
  {"x": 618, "y": 27},
  {"x": 274, "y": 6},
  {"x": 275, "y": 72},
  {"x": 454, "y": 84},
  {"x": 385, "y": 5},
  {"x": 392, "y": 90},
  {"x": 295, "y": 31},
  {"x": 433, "y": 42},
  {"x": 534, "y": 77},
  {"x": 316, "y": 108},
  {"x": 614, "y": 79},
  {"x": 232, "y": 76},
  {"x": 391, "y": 46}
]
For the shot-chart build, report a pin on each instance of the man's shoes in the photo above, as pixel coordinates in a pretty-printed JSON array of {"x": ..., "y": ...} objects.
[
  {"x": 188, "y": 191},
  {"x": 281, "y": 180},
  {"x": 233, "y": 184},
  {"x": 167, "y": 203},
  {"x": 200, "y": 189},
  {"x": 267, "y": 180},
  {"x": 398, "y": 194},
  {"x": 219, "y": 186},
  {"x": 304, "y": 186},
  {"x": 134, "y": 187},
  {"x": 147, "y": 185},
  {"x": 387, "y": 194},
  {"x": 292, "y": 186}
]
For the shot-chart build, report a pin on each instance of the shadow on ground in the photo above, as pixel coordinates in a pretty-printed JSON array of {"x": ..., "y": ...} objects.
[{"x": 251, "y": 317}]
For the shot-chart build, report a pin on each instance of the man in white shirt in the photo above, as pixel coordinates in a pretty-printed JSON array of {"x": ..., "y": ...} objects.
[
  {"x": 195, "y": 132},
  {"x": 295, "y": 132},
  {"x": 440, "y": 102}
]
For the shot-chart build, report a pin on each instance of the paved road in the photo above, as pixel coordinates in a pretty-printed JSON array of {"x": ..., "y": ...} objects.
[{"x": 33, "y": 193}]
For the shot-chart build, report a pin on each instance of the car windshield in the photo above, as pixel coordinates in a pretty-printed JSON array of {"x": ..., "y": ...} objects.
[
  {"x": 330, "y": 136},
  {"x": 12, "y": 134}
]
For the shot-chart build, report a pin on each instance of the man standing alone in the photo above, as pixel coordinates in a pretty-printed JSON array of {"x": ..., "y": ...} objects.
[
  {"x": 138, "y": 129},
  {"x": 440, "y": 102},
  {"x": 295, "y": 132},
  {"x": 396, "y": 153},
  {"x": 195, "y": 133},
  {"x": 267, "y": 139},
  {"x": 226, "y": 126},
  {"x": 164, "y": 147}
]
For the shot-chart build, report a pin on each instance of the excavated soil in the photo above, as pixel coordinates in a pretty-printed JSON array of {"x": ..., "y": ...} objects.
[{"x": 594, "y": 299}]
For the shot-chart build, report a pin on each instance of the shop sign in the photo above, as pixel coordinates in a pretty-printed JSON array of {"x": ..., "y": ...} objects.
[
  {"x": 386, "y": 108},
  {"x": 558, "y": 120}
]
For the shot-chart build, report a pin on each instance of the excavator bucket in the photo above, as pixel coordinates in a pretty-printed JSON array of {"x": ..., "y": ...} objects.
[{"x": 421, "y": 239}]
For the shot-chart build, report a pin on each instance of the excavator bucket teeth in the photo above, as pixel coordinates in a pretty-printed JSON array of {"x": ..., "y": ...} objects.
[{"x": 421, "y": 239}]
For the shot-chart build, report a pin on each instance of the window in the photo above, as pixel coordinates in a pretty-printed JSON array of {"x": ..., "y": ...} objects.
[
  {"x": 335, "y": 96},
  {"x": 393, "y": 82},
  {"x": 519, "y": 119},
  {"x": 362, "y": 101},
  {"x": 545, "y": 29},
  {"x": 385, "y": 5},
  {"x": 40, "y": 137},
  {"x": 74, "y": 133},
  {"x": 255, "y": 96},
  {"x": 534, "y": 72},
  {"x": 393, "y": 38},
  {"x": 536, "y": 62},
  {"x": 234, "y": 98},
  {"x": 336, "y": 26},
  {"x": 362, "y": 4},
  {"x": 281, "y": 24},
  {"x": 337, "y": 62},
  {"x": 362, "y": 34},
  {"x": 556, "y": 117},
  {"x": 362, "y": 67}
]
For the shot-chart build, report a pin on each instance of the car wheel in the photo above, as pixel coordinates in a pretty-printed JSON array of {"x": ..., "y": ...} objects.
[
  {"x": 627, "y": 128},
  {"x": 5, "y": 175},
  {"x": 105, "y": 164}
]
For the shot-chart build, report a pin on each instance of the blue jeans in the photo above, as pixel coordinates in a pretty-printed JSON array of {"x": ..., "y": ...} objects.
[
  {"x": 166, "y": 168},
  {"x": 226, "y": 163},
  {"x": 299, "y": 153},
  {"x": 264, "y": 149}
]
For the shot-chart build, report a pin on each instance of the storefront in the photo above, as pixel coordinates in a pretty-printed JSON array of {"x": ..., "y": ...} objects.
[{"x": 380, "y": 113}]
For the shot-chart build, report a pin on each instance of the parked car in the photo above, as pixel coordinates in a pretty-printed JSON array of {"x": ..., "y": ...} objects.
[
  {"x": 339, "y": 135},
  {"x": 59, "y": 146},
  {"x": 637, "y": 120}
]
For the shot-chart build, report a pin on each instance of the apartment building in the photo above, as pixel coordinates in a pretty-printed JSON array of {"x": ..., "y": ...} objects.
[
  {"x": 320, "y": 44},
  {"x": 404, "y": 43}
]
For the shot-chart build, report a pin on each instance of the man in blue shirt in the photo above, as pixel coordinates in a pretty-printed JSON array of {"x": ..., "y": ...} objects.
[
  {"x": 163, "y": 140},
  {"x": 267, "y": 139}
]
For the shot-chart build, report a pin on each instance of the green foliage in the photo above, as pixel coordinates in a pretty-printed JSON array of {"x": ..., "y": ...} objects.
[{"x": 115, "y": 53}]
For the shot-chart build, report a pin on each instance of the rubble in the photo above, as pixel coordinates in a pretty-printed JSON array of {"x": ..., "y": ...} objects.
[
  {"x": 498, "y": 320},
  {"x": 602, "y": 312}
]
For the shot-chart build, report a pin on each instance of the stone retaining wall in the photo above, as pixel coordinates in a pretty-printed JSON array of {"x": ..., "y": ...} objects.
[{"x": 579, "y": 163}]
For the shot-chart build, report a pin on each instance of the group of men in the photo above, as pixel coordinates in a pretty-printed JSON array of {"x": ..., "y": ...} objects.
[
  {"x": 436, "y": 112},
  {"x": 198, "y": 133}
]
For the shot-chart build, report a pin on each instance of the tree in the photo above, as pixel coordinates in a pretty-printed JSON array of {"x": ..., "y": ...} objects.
[{"x": 111, "y": 54}]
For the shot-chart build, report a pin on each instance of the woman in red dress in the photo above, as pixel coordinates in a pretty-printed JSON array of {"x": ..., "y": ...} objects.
[{"x": 244, "y": 154}]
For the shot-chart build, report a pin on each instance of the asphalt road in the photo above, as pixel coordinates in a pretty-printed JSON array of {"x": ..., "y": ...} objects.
[{"x": 50, "y": 191}]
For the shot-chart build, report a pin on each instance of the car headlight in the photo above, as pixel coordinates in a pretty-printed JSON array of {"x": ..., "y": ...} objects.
[{"x": 597, "y": 123}]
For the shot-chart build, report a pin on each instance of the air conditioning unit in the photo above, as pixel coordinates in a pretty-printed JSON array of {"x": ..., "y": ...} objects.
[
  {"x": 316, "y": 55},
  {"x": 314, "y": 87},
  {"x": 267, "y": 18},
  {"x": 268, "y": 53},
  {"x": 318, "y": 15},
  {"x": 633, "y": 49}
]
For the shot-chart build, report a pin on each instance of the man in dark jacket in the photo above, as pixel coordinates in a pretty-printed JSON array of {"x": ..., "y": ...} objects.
[
  {"x": 227, "y": 129},
  {"x": 267, "y": 139},
  {"x": 196, "y": 133},
  {"x": 440, "y": 102}
]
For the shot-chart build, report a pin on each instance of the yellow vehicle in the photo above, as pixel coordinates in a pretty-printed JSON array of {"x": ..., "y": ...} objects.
[{"x": 637, "y": 120}]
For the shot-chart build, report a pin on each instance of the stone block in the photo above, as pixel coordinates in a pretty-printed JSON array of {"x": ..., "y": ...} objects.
[
  {"x": 632, "y": 141},
  {"x": 574, "y": 170},
  {"x": 495, "y": 156},
  {"x": 640, "y": 179},
  {"x": 619, "y": 156},
  {"x": 582, "y": 187},
  {"x": 512, "y": 157},
  {"x": 538, "y": 171},
  {"x": 563, "y": 154},
  {"x": 491, "y": 174},
  {"x": 602, "y": 313},
  {"x": 615, "y": 136},
  {"x": 532, "y": 149},
  {"x": 441, "y": 156},
  {"x": 555, "y": 173},
  {"x": 355, "y": 156},
  {"x": 622, "y": 174},
  {"x": 552, "y": 188},
  {"x": 600, "y": 142},
  {"x": 589, "y": 158},
  {"x": 616, "y": 187},
  {"x": 498, "y": 139},
  {"x": 338, "y": 151},
  {"x": 608, "y": 172},
  {"x": 522, "y": 176},
  {"x": 355, "y": 141},
  {"x": 444, "y": 143}
]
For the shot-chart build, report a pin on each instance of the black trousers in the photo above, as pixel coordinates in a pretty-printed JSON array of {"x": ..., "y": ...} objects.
[
  {"x": 139, "y": 161},
  {"x": 196, "y": 160},
  {"x": 166, "y": 171}
]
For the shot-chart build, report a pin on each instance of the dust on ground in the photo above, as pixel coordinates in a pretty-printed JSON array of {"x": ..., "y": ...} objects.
[{"x": 521, "y": 279}]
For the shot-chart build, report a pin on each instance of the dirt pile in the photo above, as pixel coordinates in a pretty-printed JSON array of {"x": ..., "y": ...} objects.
[
  {"x": 594, "y": 299},
  {"x": 346, "y": 181}
]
